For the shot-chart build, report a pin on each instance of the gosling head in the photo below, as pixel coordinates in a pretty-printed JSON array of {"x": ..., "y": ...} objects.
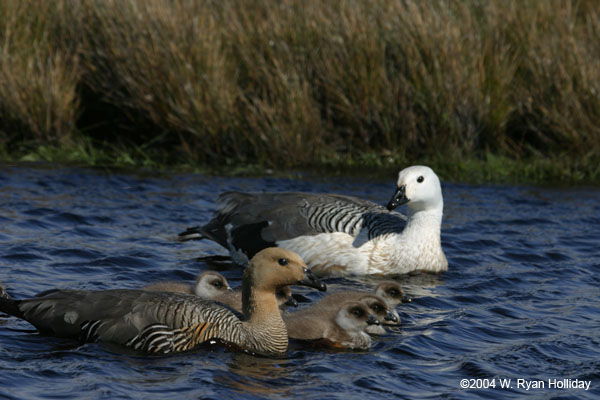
[
  {"x": 284, "y": 297},
  {"x": 211, "y": 284},
  {"x": 379, "y": 309},
  {"x": 275, "y": 267},
  {"x": 418, "y": 187},
  {"x": 391, "y": 293},
  {"x": 354, "y": 317}
]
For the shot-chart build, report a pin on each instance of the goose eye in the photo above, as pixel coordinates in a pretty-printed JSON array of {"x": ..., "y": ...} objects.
[
  {"x": 357, "y": 312},
  {"x": 283, "y": 261},
  {"x": 420, "y": 179}
]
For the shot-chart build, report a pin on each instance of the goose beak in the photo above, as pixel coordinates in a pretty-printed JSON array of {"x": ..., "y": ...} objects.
[
  {"x": 291, "y": 302},
  {"x": 371, "y": 320},
  {"x": 311, "y": 280},
  {"x": 389, "y": 316},
  {"x": 398, "y": 198}
]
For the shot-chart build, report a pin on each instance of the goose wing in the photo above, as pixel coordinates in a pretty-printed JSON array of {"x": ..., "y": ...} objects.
[
  {"x": 148, "y": 321},
  {"x": 253, "y": 221}
]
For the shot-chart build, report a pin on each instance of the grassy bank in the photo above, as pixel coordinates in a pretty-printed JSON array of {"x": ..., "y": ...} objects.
[{"x": 498, "y": 90}]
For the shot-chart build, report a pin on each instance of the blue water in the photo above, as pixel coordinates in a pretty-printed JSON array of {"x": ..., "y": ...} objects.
[{"x": 521, "y": 299}]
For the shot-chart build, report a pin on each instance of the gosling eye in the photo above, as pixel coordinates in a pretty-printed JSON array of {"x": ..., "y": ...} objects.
[
  {"x": 356, "y": 312},
  {"x": 420, "y": 179},
  {"x": 394, "y": 293},
  {"x": 376, "y": 307},
  {"x": 283, "y": 261},
  {"x": 218, "y": 284}
]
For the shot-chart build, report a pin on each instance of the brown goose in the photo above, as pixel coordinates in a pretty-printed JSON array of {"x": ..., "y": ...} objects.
[
  {"x": 376, "y": 305},
  {"x": 211, "y": 285},
  {"x": 162, "y": 322},
  {"x": 341, "y": 327}
]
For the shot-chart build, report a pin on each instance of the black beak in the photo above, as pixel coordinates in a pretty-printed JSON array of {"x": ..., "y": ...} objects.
[
  {"x": 398, "y": 199},
  {"x": 406, "y": 299},
  {"x": 389, "y": 316},
  {"x": 371, "y": 320},
  {"x": 311, "y": 280},
  {"x": 291, "y": 302}
]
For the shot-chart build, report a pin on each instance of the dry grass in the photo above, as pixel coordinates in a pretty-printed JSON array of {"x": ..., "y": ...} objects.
[
  {"x": 38, "y": 76},
  {"x": 291, "y": 83}
]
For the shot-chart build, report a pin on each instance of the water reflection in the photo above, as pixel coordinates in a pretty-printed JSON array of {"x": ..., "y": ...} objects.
[{"x": 259, "y": 376}]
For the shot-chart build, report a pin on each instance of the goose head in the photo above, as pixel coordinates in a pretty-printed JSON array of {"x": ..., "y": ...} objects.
[
  {"x": 210, "y": 285},
  {"x": 418, "y": 187},
  {"x": 355, "y": 317},
  {"x": 284, "y": 297},
  {"x": 275, "y": 267},
  {"x": 391, "y": 293},
  {"x": 379, "y": 308}
]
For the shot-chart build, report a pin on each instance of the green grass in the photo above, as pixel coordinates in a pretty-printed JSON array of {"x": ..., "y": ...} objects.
[{"x": 503, "y": 91}]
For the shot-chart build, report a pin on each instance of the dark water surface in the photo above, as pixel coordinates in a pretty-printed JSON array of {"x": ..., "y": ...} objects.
[{"x": 521, "y": 299}]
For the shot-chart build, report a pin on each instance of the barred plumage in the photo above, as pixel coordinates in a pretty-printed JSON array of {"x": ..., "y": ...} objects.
[
  {"x": 211, "y": 285},
  {"x": 162, "y": 322},
  {"x": 336, "y": 234}
]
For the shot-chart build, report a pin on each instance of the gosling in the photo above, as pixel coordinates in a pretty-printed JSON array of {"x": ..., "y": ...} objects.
[
  {"x": 342, "y": 328},
  {"x": 389, "y": 292},
  {"x": 162, "y": 322},
  {"x": 211, "y": 285}
]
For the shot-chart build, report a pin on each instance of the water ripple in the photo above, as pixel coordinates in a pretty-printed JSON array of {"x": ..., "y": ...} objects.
[{"x": 521, "y": 298}]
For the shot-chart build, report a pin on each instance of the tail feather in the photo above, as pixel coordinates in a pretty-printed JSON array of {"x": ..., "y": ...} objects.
[
  {"x": 10, "y": 306},
  {"x": 193, "y": 233}
]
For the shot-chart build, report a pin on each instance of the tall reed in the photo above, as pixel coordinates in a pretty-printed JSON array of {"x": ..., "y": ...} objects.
[
  {"x": 39, "y": 74},
  {"x": 299, "y": 82}
]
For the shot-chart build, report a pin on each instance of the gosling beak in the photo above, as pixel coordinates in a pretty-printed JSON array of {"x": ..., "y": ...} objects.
[
  {"x": 406, "y": 299},
  {"x": 311, "y": 280},
  {"x": 291, "y": 302},
  {"x": 398, "y": 198},
  {"x": 371, "y": 320},
  {"x": 389, "y": 316}
]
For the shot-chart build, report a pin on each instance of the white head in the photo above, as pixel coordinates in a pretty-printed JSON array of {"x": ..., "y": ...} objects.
[
  {"x": 418, "y": 187},
  {"x": 210, "y": 285}
]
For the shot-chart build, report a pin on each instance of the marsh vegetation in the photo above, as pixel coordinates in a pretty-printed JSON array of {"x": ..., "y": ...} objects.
[{"x": 494, "y": 90}]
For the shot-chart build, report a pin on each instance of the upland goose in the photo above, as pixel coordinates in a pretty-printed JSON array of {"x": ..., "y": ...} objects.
[
  {"x": 162, "y": 322},
  {"x": 376, "y": 305},
  {"x": 336, "y": 234},
  {"x": 341, "y": 327},
  {"x": 208, "y": 285},
  {"x": 211, "y": 285},
  {"x": 391, "y": 293}
]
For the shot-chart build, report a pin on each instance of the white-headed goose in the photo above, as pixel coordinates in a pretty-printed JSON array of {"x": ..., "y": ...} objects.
[{"x": 336, "y": 234}]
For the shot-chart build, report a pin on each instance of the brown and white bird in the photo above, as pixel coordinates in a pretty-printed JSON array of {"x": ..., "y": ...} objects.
[
  {"x": 339, "y": 327},
  {"x": 376, "y": 305},
  {"x": 162, "y": 322}
]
